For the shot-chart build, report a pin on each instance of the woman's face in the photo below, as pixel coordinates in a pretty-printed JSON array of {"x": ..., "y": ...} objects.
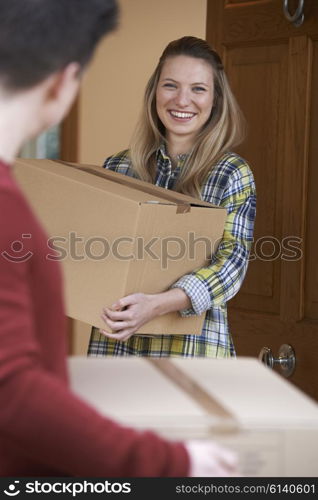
[{"x": 184, "y": 97}]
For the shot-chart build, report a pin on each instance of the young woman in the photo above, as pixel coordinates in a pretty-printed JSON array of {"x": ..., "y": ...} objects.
[{"x": 189, "y": 125}]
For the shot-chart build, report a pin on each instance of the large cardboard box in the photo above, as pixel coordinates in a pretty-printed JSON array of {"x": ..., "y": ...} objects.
[
  {"x": 241, "y": 403},
  {"x": 116, "y": 235}
]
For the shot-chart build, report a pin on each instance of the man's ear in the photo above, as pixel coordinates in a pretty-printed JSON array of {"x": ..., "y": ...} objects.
[
  {"x": 62, "y": 80},
  {"x": 60, "y": 91}
]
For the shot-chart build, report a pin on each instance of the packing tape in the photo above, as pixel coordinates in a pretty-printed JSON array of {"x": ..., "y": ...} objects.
[{"x": 197, "y": 393}]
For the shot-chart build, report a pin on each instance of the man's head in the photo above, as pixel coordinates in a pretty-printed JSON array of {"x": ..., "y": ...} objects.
[
  {"x": 41, "y": 37},
  {"x": 44, "y": 46}
]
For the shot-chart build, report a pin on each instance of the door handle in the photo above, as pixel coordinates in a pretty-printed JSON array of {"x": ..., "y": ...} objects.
[
  {"x": 286, "y": 359},
  {"x": 298, "y": 17}
]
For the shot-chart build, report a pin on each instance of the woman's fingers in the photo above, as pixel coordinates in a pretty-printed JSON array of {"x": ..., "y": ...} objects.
[
  {"x": 115, "y": 325},
  {"x": 123, "y": 335},
  {"x": 127, "y": 315},
  {"x": 127, "y": 301},
  {"x": 115, "y": 315}
]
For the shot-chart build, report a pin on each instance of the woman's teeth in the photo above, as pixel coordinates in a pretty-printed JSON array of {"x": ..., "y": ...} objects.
[{"x": 179, "y": 114}]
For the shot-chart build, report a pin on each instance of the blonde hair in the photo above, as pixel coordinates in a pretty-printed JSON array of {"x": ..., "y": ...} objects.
[{"x": 223, "y": 130}]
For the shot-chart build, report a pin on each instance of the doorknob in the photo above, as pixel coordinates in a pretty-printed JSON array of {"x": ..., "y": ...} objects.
[{"x": 286, "y": 359}]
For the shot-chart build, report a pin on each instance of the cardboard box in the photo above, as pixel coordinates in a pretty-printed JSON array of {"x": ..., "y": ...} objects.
[
  {"x": 116, "y": 235},
  {"x": 270, "y": 424}
]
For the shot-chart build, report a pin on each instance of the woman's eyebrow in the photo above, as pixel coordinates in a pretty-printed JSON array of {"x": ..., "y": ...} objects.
[
  {"x": 200, "y": 83},
  {"x": 193, "y": 83}
]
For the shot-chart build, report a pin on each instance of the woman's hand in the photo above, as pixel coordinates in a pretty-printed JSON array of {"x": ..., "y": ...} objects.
[{"x": 128, "y": 314}]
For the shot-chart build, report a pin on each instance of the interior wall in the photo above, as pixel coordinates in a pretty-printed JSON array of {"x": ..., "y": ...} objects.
[{"x": 113, "y": 86}]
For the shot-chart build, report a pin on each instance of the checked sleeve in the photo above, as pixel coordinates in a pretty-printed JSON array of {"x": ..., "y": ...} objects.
[{"x": 214, "y": 285}]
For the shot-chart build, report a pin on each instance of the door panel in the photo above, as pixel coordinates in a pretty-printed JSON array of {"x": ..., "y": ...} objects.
[
  {"x": 273, "y": 70},
  {"x": 259, "y": 78},
  {"x": 311, "y": 276}
]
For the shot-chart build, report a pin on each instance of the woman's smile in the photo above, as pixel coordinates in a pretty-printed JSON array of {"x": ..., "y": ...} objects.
[
  {"x": 182, "y": 116},
  {"x": 184, "y": 98}
]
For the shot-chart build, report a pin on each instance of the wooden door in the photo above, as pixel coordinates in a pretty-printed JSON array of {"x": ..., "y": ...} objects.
[{"x": 273, "y": 69}]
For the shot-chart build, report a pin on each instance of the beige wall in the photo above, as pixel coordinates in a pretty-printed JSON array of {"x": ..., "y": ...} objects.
[
  {"x": 113, "y": 87},
  {"x": 112, "y": 90}
]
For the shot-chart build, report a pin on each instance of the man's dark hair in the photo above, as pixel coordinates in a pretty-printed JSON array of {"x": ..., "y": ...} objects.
[{"x": 40, "y": 37}]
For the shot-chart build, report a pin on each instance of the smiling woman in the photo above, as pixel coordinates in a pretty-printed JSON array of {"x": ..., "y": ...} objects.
[
  {"x": 184, "y": 99},
  {"x": 189, "y": 124}
]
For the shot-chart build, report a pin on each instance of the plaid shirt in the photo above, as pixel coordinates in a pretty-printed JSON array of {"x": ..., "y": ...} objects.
[{"x": 230, "y": 184}]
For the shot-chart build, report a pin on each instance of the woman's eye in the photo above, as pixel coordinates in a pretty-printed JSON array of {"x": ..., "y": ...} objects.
[
  {"x": 199, "y": 89},
  {"x": 169, "y": 85}
]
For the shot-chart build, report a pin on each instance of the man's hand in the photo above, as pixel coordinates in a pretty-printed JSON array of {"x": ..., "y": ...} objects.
[{"x": 209, "y": 459}]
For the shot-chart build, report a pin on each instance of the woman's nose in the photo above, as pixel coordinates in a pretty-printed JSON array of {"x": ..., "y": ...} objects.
[{"x": 182, "y": 98}]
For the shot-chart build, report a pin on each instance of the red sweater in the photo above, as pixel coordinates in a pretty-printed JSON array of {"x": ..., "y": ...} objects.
[{"x": 44, "y": 429}]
